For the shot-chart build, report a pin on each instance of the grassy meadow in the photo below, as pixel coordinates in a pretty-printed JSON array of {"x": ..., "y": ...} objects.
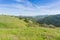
[
  {"x": 30, "y": 33},
  {"x": 12, "y": 28}
]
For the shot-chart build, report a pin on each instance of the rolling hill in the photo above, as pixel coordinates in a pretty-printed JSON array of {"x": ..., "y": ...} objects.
[
  {"x": 13, "y": 28},
  {"x": 11, "y": 22}
]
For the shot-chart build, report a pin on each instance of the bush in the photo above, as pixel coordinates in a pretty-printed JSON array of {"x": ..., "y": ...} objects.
[{"x": 48, "y": 26}]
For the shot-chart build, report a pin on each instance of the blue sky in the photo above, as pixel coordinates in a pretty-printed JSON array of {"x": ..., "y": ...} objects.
[{"x": 29, "y": 7}]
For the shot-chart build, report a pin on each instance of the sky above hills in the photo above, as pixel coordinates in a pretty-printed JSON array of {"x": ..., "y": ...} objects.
[{"x": 29, "y": 7}]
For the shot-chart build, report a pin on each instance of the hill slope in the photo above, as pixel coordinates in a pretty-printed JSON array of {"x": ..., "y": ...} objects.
[
  {"x": 29, "y": 33},
  {"x": 11, "y": 22},
  {"x": 21, "y": 31}
]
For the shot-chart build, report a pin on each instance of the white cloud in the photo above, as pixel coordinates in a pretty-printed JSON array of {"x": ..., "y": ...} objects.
[
  {"x": 52, "y": 8},
  {"x": 31, "y": 9},
  {"x": 21, "y": 0},
  {"x": 18, "y": 0}
]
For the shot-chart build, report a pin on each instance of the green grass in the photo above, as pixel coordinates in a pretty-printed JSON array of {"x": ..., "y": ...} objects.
[
  {"x": 11, "y": 22},
  {"x": 29, "y": 33},
  {"x": 12, "y": 28}
]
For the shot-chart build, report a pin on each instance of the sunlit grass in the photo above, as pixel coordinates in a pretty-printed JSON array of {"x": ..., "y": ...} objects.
[
  {"x": 29, "y": 33},
  {"x": 12, "y": 28},
  {"x": 11, "y": 22}
]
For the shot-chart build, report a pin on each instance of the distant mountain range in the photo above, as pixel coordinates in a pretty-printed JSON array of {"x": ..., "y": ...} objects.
[
  {"x": 45, "y": 19},
  {"x": 52, "y": 19},
  {"x": 31, "y": 20}
]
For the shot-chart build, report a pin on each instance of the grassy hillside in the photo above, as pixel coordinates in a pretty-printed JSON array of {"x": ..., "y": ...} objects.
[
  {"x": 29, "y": 33},
  {"x": 11, "y": 22},
  {"x": 12, "y": 28}
]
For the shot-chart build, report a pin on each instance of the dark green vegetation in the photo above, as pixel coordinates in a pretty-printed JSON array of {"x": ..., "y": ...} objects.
[
  {"x": 28, "y": 28},
  {"x": 51, "y": 20}
]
